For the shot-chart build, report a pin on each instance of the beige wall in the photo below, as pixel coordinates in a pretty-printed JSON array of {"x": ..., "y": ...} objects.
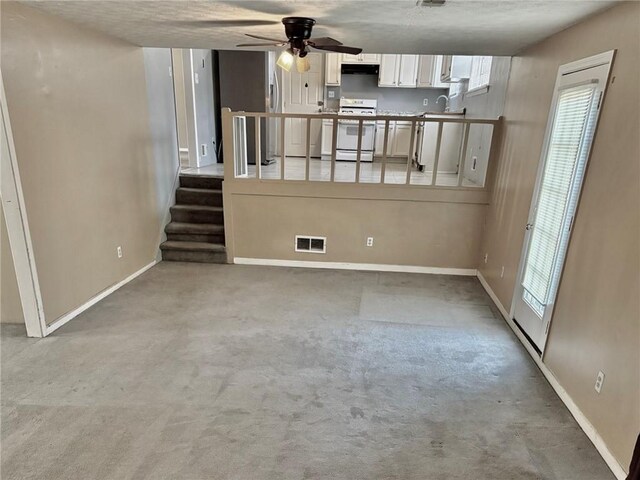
[
  {"x": 596, "y": 323},
  {"x": 10, "y": 307},
  {"x": 77, "y": 103},
  {"x": 416, "y": 233}
]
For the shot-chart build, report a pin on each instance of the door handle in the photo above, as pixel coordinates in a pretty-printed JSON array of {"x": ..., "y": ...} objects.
[{"x": 529, "y": 226}]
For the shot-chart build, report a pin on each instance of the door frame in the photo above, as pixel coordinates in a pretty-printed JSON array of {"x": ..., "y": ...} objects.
[
  {"x": 15, "y": 215},
  {"x": 604, "y": 58}
]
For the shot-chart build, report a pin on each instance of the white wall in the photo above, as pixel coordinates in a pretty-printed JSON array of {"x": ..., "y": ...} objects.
[
  {"x": 162, "y": 123},
  {"x": 204, "y": 105}
]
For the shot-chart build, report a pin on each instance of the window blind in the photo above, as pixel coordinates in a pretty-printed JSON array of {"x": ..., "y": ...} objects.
[{"x": 573, "y": 128}]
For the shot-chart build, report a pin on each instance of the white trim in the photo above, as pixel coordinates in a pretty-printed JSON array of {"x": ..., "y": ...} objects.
[
  {"x": 588, "y": 62},
  {"x": 18, "y": 228},
  {"x": 95, "y": 299},
  {"x": 584, "y": 423},
  {"x": 373, "y": 267},
  {"x": 479, "y": 90}
]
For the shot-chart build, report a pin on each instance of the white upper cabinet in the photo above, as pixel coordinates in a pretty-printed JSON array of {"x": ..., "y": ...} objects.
[
  {"x": 368, "y": 58},
  {"x": 389, "y": 69},
  {"x": 332, "y": 69},
  {"x": 429, "y": 70},
  {"x": 408, "y": 71},
  {"x": 437, "y": 70},
  {"x": 455, "y": 68},
  {"x": 372, "y": 58},
  {"x": 398, "y": 71},
  {"x": 426, "y": 64}
]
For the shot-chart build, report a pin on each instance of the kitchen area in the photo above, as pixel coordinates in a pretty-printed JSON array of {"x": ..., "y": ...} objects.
[
  {"x": 372, "y": 86},
  {"x": 396, "y": 85}
]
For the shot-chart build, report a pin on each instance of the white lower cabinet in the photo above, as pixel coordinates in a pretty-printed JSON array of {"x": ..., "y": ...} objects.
[
  {"x": 327, "y": 139},
  {"x": 379, "y": 143},
  {"x": 398, "y": 141},
  {"x": 450, "y": 146},
  {"x": 401, "y": 139}
]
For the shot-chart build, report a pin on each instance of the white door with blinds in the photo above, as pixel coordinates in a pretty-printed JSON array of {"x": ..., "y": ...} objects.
[{"x": 570, "y": 131}]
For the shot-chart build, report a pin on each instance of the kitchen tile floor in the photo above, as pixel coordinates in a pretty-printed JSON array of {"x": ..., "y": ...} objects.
[{"x": 320, "y": 170}]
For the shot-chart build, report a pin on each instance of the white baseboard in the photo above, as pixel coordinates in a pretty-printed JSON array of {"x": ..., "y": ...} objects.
[
  {"x": 580, "y": 417},
  {"x": 95, "y": 299},
  {"x": 374, "y": 267}
]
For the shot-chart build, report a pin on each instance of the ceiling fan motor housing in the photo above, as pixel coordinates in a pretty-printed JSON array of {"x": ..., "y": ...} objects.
[{"x": 298, "y": 29}]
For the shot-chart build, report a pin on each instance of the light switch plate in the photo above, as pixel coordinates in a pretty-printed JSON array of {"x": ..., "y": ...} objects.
[{"x": 332, "y": 94}]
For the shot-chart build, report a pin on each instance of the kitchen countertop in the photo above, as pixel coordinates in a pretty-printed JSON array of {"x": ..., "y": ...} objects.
[{"x": 391, "y": 113}]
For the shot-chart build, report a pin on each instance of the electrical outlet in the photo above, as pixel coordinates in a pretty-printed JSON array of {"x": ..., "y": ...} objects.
[
  {"x": 197, "y": 78},
  {"x": 332, "y": 94},
  {"x": 425, "y": 102},
  {"x": 486, "y": 257},
  {"x": 502, "y": 272},
  {"x": 119, "y": 251},
  {"x": 369, "y": 241},
  {"x": 599, "y": 382}
]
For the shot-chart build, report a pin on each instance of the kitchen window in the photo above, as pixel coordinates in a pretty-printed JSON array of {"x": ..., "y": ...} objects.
[{"x": 480, "y": 74}]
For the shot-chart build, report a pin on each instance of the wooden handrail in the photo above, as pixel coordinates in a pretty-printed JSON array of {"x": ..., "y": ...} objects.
[
  {"x": 229, "y": 132},
  {"x": 391, "y": 118}
]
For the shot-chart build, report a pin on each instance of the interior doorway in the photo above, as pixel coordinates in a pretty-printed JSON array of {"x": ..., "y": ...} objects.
[{"x": 303, "y": 93}]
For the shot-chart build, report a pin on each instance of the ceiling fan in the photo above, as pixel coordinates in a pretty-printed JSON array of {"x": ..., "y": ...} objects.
[{"x": 298, "y": 32}]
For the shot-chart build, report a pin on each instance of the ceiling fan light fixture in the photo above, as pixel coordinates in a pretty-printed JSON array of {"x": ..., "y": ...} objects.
[
  {"x": 303, "y": 64},
  {"x": 285, "y": 60}
]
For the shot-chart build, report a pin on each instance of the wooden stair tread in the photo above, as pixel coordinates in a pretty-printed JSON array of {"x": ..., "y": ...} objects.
[
  {"x": 202, "y": 208},
  {"x": 196, "y": 228},
  {"x": 211, "y": 191},
  {"x": 192, "y": 246},
  {"x": 197, "y": 175}
]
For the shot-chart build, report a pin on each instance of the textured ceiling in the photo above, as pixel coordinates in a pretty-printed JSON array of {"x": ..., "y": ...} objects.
[{"x": 495, "y": 27}]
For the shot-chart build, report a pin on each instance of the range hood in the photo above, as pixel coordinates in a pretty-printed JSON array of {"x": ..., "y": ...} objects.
[{"x": 359, "y": 69}]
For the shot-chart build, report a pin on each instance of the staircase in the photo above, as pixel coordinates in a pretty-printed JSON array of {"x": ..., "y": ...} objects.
[{"x": 196, "y": 231}]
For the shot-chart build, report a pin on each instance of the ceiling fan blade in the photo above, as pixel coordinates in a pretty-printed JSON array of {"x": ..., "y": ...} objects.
[
  {"x": 267, "y": 38},
  {"x": 339, "y": 49},
  {"x": 225, "y": 23},
  {"x": 323, "y": 41},
  {"x": 261, "y": 45}
]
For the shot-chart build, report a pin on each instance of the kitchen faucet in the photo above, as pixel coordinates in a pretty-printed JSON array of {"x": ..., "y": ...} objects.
[{"x": 446, "y": 102}]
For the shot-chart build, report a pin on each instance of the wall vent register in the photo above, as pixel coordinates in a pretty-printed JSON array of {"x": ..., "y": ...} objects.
[{"x": 308, "y": 244}]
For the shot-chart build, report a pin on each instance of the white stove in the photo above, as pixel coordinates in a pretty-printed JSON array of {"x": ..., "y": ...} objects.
[{"x": 347, "y": 141}]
